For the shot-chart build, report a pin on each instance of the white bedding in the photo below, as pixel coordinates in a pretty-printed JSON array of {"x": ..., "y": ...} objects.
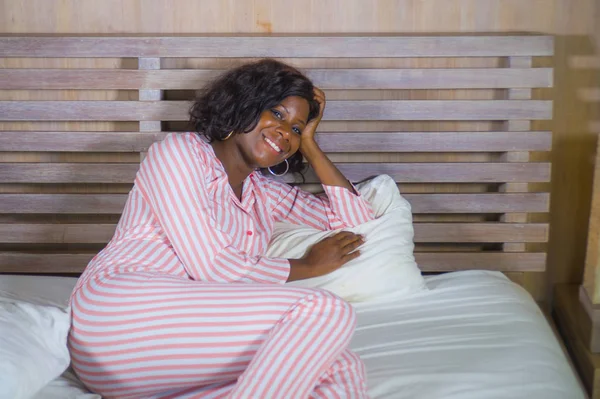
[{"x": 473, "y": 335}]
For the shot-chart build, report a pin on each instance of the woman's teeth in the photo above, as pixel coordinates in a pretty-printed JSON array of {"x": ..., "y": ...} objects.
[{"x": 273, "y": 145}]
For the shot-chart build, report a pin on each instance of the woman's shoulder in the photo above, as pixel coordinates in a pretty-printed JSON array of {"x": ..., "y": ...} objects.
[
  {"x": 187, "y": 138},
  {"x": 186, "y": 142}
]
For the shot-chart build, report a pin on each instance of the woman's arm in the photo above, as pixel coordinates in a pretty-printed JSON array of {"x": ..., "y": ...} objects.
[
  {"x": 325, "y": 170},
  {"x": 340, "y": 207}
]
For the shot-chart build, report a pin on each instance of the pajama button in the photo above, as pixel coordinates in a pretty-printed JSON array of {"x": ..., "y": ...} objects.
[{"x": 249, "y": 232}]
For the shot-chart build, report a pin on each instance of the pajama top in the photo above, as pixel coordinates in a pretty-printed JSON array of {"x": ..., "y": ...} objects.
[{"x": 182, "y": 218}]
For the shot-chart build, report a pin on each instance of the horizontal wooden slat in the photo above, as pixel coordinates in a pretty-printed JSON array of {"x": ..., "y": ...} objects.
[
  {"x": 278, "y": 46},
  {"x": 424, "y": 233},
  {"x": 79, "y": 141},
  {"x": 67, "y": 173},
  {"x": 329, "y": 142},
  {"x": 122, "y": 79},
  {"x": 336, "y": 110},
  {"x": 56, "y": 233},
  {"x": 479, "y": 203},
  {"x": 16, "y": 262},
  {"x": 439, "y": 172},
  {"x": 401, "y": 172},
  {"x": 433, "y": 141},
  {"x": 62, "y": 203},
  {"x": 500, "y": 261},
  {"x": 479, "y": 232},
  {"x": 420, "y": 203}
]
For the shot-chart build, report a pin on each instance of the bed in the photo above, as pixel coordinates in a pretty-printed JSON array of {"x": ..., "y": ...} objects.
[
  {"x": 461, "y": 123},
  {"x": 473, "y": 334}
]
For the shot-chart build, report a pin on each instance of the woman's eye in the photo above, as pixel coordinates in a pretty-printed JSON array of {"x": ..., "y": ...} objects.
[{"x": 276, "y": 113}]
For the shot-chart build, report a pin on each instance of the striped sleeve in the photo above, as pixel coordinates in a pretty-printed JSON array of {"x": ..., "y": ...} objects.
[
  {"x": 171, "y": 180},
  {"x": 336, "y": 208}
]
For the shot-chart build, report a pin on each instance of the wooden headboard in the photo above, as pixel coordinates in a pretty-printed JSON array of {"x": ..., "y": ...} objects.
[{"x": 451, "y": 118}]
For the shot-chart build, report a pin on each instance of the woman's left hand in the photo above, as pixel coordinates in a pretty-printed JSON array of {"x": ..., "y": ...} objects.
[{"x": 308, "y": 134}]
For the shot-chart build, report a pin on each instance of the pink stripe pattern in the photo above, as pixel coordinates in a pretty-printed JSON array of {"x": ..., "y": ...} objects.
[{"x": 181, "y": 303}]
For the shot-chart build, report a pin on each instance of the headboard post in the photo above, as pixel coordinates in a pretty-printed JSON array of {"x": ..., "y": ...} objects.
[
  {"x": 149, "y": 95},
  {"x": 521, "y": 156}
]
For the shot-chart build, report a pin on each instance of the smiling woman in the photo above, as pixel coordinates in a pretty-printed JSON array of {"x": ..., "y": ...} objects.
[
  {"x": 183, "y": 302},
  {"x": 242, "y": 97}
]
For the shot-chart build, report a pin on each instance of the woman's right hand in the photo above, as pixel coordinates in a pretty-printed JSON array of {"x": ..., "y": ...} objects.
[{"x": 332, "y": 253}]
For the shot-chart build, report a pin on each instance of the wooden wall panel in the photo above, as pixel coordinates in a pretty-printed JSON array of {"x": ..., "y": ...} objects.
[{"x": 577, "y": 43}]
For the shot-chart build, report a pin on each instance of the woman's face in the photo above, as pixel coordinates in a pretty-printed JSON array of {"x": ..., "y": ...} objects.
[{"x": 277, "y": 134}]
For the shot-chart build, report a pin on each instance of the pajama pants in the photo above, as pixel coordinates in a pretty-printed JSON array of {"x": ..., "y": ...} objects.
[{"x": 150, "y": 335}]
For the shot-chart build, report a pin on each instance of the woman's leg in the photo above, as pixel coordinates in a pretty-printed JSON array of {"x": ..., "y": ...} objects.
[{"x": 151, "y": 335}]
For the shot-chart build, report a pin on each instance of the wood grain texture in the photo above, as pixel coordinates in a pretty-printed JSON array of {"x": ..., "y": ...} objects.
[
  {"x": 269, "y": 46},
  {"x": 424, "y": 233},
  {"x": 521, "y": 156},
  {"x": 428, "y": 110},
  {"x": 400, "y": 172},
  {"x": 591, "y": 277},
  {"x": 576, "y": 328},
  {"x": 329, "y": 141},
  {"x": 23, "y": 262},
  {"x": 420, "y": 203},
  {"x": 103, "y": 79},
  {"x": 573, "y": 21}
]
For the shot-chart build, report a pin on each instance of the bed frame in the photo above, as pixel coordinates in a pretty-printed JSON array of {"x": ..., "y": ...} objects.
[{"x": 457, "y": 121}]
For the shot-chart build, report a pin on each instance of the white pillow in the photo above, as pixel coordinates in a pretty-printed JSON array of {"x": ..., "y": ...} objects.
[
  {"x": 33, "y": 347},
  {"x": 386, "y": 266}
]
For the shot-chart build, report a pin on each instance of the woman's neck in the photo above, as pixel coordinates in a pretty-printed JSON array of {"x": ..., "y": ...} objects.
[{"x": 230, "y": 156}]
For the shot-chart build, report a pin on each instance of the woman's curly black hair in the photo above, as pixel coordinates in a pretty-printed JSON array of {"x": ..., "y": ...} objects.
[{"x": 235, "y": 101}]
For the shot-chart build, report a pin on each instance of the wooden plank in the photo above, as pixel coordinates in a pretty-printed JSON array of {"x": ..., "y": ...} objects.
[
  {"x": 22, "y": 262},
  {"x": 336, "y": 110},
  {"x": 591, "y": 275},
  {"x": 62, "y": 203},
  {"x": 480, "y": 232},
  {"x": 424, "y": 233},
  {"x": 56, "y": 233},
  {"x": 420, "y": 203},
  {"x": 146, "y": 64},
  {"x": 434, "y": 141},
  {"x": 329, "y": 142},
  {"x": 68, "y": 172},
  {"x": 505, "y": 262},
  {"x": 184, "y": 79},
  {"x": 79, "y": 141},
  {"x": 401, "y": 172},
  {"x": 439, "y": 172},
  {"x": 313, "y": 46},
  {"x": 518, "y": 126}
]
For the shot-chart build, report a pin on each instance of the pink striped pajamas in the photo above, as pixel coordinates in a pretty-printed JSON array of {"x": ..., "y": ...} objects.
[{"x": 182, "y": 304}]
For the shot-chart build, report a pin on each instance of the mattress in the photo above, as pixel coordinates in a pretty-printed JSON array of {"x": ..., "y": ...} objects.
[{"x": 472, "y": 335}]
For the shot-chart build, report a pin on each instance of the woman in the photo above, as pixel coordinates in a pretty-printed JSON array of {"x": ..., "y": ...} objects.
[{"x": 182, "y": 303}]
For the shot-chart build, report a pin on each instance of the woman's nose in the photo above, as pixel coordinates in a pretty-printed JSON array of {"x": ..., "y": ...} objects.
[{"x": 284, "y": 130}]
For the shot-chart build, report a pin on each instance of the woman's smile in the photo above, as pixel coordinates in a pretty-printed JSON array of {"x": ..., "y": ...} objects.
[{"x": 272, "y": 144}]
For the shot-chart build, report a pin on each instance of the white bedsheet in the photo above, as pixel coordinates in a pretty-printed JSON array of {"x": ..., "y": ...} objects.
[{"x": 473, "y": 335}]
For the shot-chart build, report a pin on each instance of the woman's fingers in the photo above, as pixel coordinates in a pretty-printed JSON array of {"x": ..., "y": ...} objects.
[
  {"x": 352, "y": 255},
  {"x": 343, "y": 235},
  {"x": 348, "y": 241}
]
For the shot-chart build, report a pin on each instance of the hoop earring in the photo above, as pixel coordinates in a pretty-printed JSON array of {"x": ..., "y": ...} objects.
[
  {"x": 228, "y": 136},
  {"x": 287, "y": 167}
]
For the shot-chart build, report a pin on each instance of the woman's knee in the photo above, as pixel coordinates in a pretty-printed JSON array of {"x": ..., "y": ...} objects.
[{"x": 337, "y": 309}]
